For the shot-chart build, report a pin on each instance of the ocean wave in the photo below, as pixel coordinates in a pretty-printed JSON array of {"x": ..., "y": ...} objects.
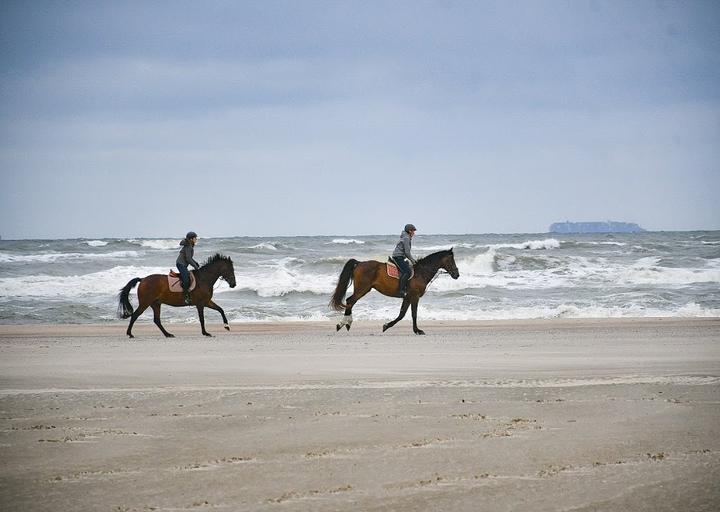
[
  {"x": 52, "y": 257},
  {"x": 345, "y": 241},
  {"x": 161, "y": 244},
  {"x": 96, "y": 243},
  {"x": 445, "y": 247},
  {"x": 282, "y": 281},
  {"x": 106, "y": 282},
  {"x": 263, "y": 246},
  {"x": 501, "y": 277},
  {"x": 646, "y": 271},
  {"x": 532, "y": 245},
  {"x": 428, "y": 311}
]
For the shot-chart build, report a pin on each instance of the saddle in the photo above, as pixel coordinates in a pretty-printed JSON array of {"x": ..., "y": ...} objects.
[
  {"x": 175, "y": 283},
  {"x": 394, "y": 272}
]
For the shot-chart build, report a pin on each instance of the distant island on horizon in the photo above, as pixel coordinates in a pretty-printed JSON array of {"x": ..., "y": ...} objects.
[{"x": 595, "y": 227}]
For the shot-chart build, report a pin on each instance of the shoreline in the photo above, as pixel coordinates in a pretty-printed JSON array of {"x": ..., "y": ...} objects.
[{"x": 359, "y": 326}]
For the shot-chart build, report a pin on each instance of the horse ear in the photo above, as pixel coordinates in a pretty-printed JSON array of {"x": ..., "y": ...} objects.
[{"x": 451, "y": 249}]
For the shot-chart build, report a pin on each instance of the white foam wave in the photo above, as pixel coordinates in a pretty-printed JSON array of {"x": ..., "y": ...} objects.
[
  {"x": 538, "y": 245},
  {"x": 96, "y": 243},
  {"x": 345, "y": 241},
  {"x": 310, "y": 316},
  {"x": 162, "y": 244},
  {"x": 264, "y": 246},
  {"x": 428, "y": 311},
  {"x": 107, "y": 282},
  {"x": 618, "y": 244},
  {"x": 435, "y": 248},
  {"x": 277, "y": 280},
  {"x": 483, "y": 264},
  {"x": 532, "y": 245},
  {"x": 51, "y": 257},
  {"x": 647, "y": 271}
]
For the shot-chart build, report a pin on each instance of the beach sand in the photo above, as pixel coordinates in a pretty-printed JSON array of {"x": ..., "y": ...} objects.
[{"x": 530, "y": 415}]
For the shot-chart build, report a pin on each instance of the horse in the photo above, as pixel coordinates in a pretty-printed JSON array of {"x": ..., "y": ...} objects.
[
  {"x": 367, "y": 275},
  {"x": 154, "y": 291}
]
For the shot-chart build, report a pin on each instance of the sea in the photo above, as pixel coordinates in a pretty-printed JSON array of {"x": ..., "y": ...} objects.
[{"x": 502, "y": 276}]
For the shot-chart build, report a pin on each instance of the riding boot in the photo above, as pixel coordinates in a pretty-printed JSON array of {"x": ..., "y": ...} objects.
[
  {"x": 186, "y": 296},
  {"x": 403, "y": 284}
]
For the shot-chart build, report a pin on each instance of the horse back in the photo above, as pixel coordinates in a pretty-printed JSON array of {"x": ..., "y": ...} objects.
[{"x": 154, "y": 284}]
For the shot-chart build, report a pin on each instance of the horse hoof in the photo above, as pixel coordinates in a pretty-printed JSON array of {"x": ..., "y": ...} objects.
[
  {"x": 227, "y": 327},
  {"x": 130, "y": 336},
  {"x": 419, "y": 331},
  {"x": 347, "y": 326},
  {"x": 338, "y": 327},
  {"x": 385, "y": 327},
  {"x": 168, "y": 335},
  {"x": 208, "y": 334}
]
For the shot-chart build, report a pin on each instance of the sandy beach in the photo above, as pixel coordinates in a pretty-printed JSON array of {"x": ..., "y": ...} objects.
[{"x": 526, "y": 415}]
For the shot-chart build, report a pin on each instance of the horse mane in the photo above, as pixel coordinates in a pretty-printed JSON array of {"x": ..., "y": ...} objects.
[
  {"x": 428, "y": 265},
  {"x": 217, "y": 257},
  {"x": 433, "y": 258}
]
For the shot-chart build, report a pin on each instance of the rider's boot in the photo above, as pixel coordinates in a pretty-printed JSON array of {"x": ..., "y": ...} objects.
[
  {"x": 403, "y": 284},
  {"x": 186, "y": 296}
]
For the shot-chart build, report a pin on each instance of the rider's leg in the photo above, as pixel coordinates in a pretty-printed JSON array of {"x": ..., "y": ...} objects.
[
  {"x": 185, "y": 278},
  {"x": 404, "y": 268}
]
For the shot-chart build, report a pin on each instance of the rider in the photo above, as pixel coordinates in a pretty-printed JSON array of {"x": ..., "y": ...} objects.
[
  {"x": 184, "y": 259},
  {"x": 402, "y": 251}
]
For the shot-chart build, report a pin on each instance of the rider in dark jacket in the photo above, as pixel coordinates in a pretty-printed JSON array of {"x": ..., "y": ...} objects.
[
  {"x": 184, "y": 259},
  {"x": 401, "y": 254}
]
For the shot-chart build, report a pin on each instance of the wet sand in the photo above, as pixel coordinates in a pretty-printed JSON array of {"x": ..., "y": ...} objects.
[{"x": 533, "y": 415}]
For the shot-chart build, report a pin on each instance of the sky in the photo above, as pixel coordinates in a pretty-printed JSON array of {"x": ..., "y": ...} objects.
[{"x": 270, "y": 118}]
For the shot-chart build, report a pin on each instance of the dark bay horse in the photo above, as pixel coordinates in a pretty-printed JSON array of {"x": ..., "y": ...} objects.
[
  {"x": 367, "y": 275},
  {"x": 154, "y": 291}
]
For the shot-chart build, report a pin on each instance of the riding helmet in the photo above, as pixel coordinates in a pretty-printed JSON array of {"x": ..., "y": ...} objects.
[
  {"x": 410, "y": 227},
  {"x": 191, "y": 234}
]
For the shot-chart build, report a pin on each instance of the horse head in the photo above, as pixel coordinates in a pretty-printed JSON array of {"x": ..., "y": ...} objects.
[
  {"x": 228, "y": 272},
  {"x": 222, "y": 266},
  {"x": 448, "y": 263}
]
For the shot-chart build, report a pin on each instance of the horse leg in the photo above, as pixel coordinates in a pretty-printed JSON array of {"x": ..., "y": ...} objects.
[
  {"x": 156, "y": 319},
  {"x": 139, "y": 311},
  {"x": 349, "y": 303},
  {"x": 201, "y": 314},
  {"x": 217, "y": 308},
  {"x": 403, "y": 310},
  {"x": 416, "y": 330}
]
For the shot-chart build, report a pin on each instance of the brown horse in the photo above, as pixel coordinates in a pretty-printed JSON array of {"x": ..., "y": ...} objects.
[
  {"x": 154, "y": 291},
  {"x": 367, "y": 275}
]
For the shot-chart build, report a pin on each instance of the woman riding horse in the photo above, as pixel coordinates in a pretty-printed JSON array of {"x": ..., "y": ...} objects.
[
  {"x": 154, "y": 290},
  {"x": 184, "y": 260},
  {"x": 367, "y": 275},
  {"x": 401, "y": 254}
]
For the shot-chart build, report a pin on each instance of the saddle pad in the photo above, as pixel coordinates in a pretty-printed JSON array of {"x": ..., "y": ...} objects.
[
  {"x": 175, "y": 283},
  {"x": 394, "y": 272}
]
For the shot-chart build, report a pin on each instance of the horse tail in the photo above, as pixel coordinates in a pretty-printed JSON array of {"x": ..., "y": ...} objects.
[
  {"x": 343, "y": 282},
  {"x": 125, "y": 309}
]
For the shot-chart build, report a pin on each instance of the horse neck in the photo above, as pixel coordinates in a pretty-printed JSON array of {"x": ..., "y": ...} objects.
[
  {"x": 428, "y": 269},
  {"x": 209, "y": 273}
]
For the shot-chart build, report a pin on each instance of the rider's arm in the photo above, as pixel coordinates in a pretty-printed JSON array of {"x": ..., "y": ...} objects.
[{"x": 406, "y": 248}]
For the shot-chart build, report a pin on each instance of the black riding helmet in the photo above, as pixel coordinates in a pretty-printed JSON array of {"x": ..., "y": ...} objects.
[
  {"x": 410, "y": 227},
  {"x": 191, "y": 234}
]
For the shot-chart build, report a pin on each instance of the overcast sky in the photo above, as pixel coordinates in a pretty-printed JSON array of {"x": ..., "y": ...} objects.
[{"x": 147, "y": 119}]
